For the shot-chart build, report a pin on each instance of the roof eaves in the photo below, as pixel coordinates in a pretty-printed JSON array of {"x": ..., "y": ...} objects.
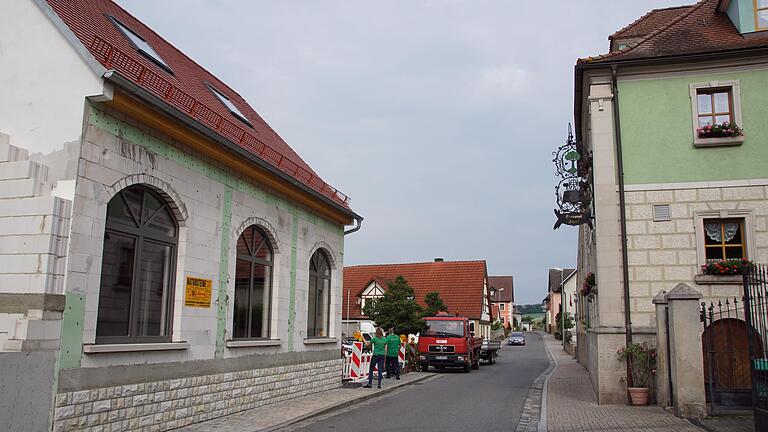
[{"x": 117, "y": 79}]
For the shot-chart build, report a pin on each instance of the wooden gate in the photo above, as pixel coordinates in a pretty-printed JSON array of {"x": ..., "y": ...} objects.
[{"x": 725, "y": 347}]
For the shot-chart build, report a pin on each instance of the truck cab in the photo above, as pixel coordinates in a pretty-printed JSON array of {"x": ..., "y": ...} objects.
[{"x": 449, "y": 341}]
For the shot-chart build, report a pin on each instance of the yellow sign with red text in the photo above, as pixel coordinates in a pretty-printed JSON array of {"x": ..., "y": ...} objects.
[{"x": 198, "y": 293}]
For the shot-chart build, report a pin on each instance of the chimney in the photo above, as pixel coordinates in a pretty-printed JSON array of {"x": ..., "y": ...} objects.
[{"x": 439, "y": 260}]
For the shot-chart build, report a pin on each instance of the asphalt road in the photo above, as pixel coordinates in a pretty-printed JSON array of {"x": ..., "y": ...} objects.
[{"x": 488, "y": 399}]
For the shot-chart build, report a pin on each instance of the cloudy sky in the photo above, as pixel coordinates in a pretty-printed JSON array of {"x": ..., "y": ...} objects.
[{"x": 438, "y": 117}]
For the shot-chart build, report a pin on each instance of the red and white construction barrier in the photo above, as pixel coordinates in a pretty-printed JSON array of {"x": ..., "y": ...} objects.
[{"x": 357, "y": 364}]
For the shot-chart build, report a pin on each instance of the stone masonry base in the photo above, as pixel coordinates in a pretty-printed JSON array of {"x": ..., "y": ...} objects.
[{"x": 170, "y": 404}]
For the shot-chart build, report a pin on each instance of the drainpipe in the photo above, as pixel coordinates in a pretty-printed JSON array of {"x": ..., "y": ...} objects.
[{"x": 622, "y": 210}]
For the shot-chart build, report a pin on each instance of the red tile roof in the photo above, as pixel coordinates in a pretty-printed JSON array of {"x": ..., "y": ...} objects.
[
  {"x": 186, "y": 89},
  {"x": 460, "y": 284},
  {"x": 698, "y": 29},
  {"x": 649, "y": 22},
  {"x": 507, "y": 294}
]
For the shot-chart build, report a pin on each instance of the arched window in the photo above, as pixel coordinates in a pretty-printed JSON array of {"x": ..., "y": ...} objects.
[
  {"x": 319, "y": 297},
  {"x": 253, "y": 285},
  {"x": 137, "y": 268}
]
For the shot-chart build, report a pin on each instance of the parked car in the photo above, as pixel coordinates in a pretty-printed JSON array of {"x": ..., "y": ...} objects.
[{"x": 516, "y": 338}]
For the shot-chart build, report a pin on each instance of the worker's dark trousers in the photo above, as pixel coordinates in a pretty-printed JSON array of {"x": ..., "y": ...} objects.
[{"x": 393, "y": 367}]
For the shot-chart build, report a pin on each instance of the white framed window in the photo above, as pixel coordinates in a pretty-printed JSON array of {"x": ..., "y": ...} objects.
[
  {"x": 761, "y": 14},
  {"x": 715, "y": 103},
  {"x": 724, "y": 234},
  {"x": 501, "y": 306}
]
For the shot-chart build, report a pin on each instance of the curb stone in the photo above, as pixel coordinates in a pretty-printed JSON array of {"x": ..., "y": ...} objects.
[
  {"x": 535, "y": 403},
  {"x": 348, "y": 403}
]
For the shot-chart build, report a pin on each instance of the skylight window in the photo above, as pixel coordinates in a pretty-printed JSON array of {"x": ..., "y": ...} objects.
[
  {"x": 228, "y": 103},
  {"x": 142, "y": 45}
]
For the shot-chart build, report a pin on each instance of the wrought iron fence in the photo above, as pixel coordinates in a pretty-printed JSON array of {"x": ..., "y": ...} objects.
[{"x": 756, "y": 317}]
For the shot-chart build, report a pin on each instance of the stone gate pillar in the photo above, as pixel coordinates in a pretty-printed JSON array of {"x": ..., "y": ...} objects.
[
  {"x": 661, "y": 381},
  {"x": 687, "y": 361}
]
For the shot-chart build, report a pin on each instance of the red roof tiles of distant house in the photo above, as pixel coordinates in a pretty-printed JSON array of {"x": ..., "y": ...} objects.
[
  {"x": 186, "y": 88},
  {"x": 505, "y": 290},
  {"x": 698, "y": 29},
  {"x": 460, "y": 284}
]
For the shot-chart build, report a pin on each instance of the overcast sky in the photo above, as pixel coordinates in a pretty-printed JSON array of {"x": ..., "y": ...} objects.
[{"x": 438, "y": 118}]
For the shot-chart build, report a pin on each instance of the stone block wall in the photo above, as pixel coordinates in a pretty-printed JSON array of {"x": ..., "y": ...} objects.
[
  {"x": 170, "y": 404},
  {"x": 663, "y": 254}
]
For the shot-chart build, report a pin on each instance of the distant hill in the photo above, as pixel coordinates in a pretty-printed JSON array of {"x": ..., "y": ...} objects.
[{"x": 530, "y": 309}]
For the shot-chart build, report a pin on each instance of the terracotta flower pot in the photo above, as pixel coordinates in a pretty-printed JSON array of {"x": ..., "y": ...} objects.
[{"x": 639, "y": 395}]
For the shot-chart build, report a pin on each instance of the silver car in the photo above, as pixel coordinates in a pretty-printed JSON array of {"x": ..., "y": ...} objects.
[{"x": 516, "y": 338}]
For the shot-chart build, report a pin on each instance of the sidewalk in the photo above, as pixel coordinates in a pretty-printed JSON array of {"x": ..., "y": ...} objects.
[
  {"x": 572, "y": 405},
  {"x": 281, "y": 414}
]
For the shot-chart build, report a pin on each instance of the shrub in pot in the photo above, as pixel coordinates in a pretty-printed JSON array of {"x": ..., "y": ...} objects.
[{"x": 641, "y": 361}]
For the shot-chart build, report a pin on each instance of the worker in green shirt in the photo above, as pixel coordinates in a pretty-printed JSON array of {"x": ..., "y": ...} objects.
[
  {"x": 393, "y": 354},
  {"x": 379, "y": 344}
]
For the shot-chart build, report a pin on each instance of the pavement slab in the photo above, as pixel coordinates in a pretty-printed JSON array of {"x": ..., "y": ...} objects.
[{"x": 572, "y": 404}]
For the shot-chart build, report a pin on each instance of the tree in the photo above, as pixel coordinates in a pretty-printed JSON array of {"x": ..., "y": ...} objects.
[
  {"x": 434, "y": 304},
  {"x": 496, "y": 325},
  {"x": 527, "y": 319},
  {"x": 397, "y": 308}
]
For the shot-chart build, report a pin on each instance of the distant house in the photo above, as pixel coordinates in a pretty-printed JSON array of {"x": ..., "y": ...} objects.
[
  {"x": 166, "y": 244},
  {"x": 553, "y": 300},
  {"x": 463, "y": 286},
  {"x": 502, "y": 298}
]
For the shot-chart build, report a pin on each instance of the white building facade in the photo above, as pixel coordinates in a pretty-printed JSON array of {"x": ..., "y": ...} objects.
[{"x": 153, "y": 274}]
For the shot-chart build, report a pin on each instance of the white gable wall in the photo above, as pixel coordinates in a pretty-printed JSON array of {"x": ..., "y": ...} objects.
[{"x": 43, "y": 81}]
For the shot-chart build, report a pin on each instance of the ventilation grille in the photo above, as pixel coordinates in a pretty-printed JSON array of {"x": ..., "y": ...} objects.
[{"x": 661, "y": 213}]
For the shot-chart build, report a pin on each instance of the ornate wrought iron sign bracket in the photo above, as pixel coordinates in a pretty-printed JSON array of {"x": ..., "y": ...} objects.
[{"x": 573, "y": 191}]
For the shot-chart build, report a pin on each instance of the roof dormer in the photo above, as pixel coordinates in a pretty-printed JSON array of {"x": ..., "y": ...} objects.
[{"x": 746, "y": 15}]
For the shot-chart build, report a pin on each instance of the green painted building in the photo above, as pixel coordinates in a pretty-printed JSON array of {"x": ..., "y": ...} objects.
[{"x": 675, "y": 117}]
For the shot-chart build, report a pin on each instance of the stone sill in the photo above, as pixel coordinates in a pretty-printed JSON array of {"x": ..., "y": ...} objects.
[
  {"x": 718, "y": 280},
  {"x": 718, "y": 142},
  {"x": 253, "y": 343},
  {"x": 312, "y": 341},
  {"x": 134, "y": 347}
]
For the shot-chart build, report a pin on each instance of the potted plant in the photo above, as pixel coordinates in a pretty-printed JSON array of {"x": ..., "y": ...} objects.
[
  {"x": 724, "y": 130},
  {"x": 726, "y": 267},
  {"x": 589, "y": 288},
  {"x": 641, "y": 361}
]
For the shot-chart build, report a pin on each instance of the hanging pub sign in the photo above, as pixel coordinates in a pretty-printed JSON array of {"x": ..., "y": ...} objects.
[{"x": 573, "y": 191}]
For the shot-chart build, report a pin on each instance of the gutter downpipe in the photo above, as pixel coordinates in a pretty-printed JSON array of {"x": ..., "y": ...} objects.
[
  {"x": 359, "y": 225},
  {"x": 622, "y": 216}
]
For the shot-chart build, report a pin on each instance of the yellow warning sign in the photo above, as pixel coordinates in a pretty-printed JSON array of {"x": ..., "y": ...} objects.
[{"x": 198, "y": 293}]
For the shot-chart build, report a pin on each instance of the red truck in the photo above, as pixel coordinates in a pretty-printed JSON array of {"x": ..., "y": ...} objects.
[{"x": 449, "y": 341}]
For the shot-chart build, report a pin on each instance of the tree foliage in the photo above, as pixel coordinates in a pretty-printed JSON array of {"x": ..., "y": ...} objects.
[
  {"x": 397, "y": 308},
  {"x": 434, "y": 304}
]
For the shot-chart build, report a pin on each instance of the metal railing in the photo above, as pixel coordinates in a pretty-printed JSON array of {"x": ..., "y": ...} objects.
[{"x": 113, "y": 58}]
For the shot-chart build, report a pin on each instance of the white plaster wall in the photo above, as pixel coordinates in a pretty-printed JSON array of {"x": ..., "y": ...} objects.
[
  {"x": 109, "y": 160},
  {"x": 43, "y": 80}
]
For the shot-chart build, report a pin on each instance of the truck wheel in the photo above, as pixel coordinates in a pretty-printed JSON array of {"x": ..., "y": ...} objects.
[{"x": 476, "y": 363}]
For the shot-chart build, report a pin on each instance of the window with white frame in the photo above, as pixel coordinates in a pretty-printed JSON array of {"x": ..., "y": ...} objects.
[
  {"x": 716, "y": 113},
  {"x": 501, "y": 306}
]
